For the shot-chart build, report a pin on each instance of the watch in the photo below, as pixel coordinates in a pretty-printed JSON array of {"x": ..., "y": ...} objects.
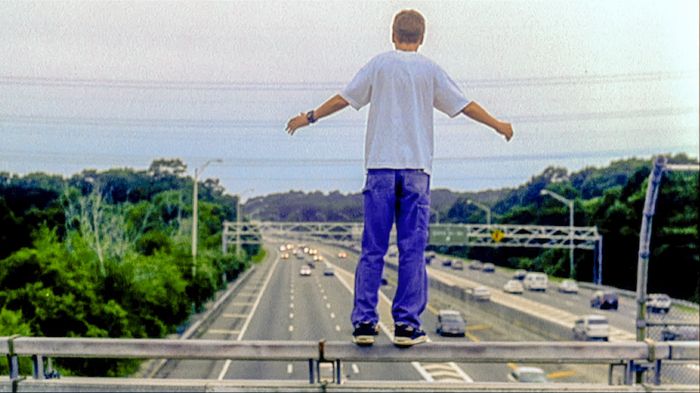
[{"x": 310, "y": 117}]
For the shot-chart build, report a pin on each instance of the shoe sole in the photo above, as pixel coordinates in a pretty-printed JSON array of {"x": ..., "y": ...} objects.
[
  {"x": 363, "y": 340},
  {"x": 407, "y": 341}
]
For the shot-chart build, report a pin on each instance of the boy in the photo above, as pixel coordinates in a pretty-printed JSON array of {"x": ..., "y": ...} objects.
[{"x": 403, "y": 87}]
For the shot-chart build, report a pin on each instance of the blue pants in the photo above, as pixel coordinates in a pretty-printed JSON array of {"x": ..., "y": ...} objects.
[{"x": 401, "y": 195}]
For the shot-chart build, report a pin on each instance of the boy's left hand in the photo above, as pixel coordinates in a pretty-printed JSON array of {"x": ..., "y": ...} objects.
[{"x": 296, "y": 123}]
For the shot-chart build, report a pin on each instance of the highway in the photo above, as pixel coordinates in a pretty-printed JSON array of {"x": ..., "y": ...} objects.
[{"x": 276, "y": 303}]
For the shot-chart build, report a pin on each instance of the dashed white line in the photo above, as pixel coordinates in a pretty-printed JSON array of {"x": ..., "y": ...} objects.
[
  {"x": 337, "y": 328},
  {"x": 290, "y": 368},
  {"x": 355, "y": 369},
  {"x": 332, "y": 315},
  {"x": 325, "y": 297},
  {"x": 227, "y": 364},
  {"x": 291, "y": 328},
  {"x": 328, "y": 305},
  {"x": 291, "y": 305},
  {"x": 291, "y": 315},
  {"x": 291, "y": 297}
]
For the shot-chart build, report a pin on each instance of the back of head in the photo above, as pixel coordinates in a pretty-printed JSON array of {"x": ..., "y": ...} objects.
[{"x": 408, "y": 27}]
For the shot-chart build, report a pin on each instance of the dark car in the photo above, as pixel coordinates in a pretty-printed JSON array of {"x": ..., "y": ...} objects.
[
  {"x": 446, "y": 262},
  {"x": 488, "y": 268},
  {"x": 519, "y": 274},
  {"x": 450, "y": 323},
  {"x": 605, "y": 300},
  {"x": 680, "y": 333},
  {"x": 429, "y": 256}
]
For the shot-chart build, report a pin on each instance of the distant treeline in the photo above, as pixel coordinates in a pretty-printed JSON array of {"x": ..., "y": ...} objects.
[
  {"x": 108, "y": 254},
  {"x": 610, "y": 198}
]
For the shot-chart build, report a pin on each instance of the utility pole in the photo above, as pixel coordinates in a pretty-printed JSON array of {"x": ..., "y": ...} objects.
[
  {"x": 238, "y": 221},
  {"x": 197, "y": 172},
  {"x": 570, "y": 204}
]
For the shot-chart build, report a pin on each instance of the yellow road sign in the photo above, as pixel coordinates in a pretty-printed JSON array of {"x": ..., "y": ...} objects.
[{"x": 497, "y": 235}]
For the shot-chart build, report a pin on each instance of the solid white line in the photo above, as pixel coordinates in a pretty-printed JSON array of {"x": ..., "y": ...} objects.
[
  {"x": 461, "y": 372},
  {"x": 422, "y": 372},
  {"x": 227, "y": 364},
  {"x": 355, "y": 369},
  {"x": 290, "y": 368}
]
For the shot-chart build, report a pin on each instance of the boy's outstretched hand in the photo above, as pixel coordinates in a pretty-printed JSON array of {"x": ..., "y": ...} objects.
[
  {"x": 505, "y": 129},
  {"x": 296, "y": 123}
]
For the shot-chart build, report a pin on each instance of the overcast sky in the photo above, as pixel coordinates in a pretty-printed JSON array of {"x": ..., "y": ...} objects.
[{"x": 104, "y": 84}]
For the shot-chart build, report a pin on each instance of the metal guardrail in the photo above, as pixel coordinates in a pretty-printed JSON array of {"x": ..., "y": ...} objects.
[{"x": 630, "y": 355}]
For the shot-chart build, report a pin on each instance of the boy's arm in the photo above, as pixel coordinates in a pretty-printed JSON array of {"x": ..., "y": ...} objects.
[
  {"x": 475, "y": 112},
  {"x": 332, "y": 105}
]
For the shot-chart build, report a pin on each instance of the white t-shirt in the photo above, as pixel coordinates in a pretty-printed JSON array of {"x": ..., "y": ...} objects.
[{"x": 402, "y": 87}]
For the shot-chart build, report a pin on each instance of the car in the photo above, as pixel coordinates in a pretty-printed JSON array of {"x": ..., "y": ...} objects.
[
  {"x": 313, "y": 251},
  {"x": 342, "y": 255},
  {"x": 568, "y": 286},
  {"x": 605, "y": 300},
  {"x": 316, "y": 258},
  {"x": 283, "y": 247},
  {"x": 457, "y": 265},
  {"x": 658, "y": 302},
  {"x": 300, "y": 255},
  {"x": 305, "y": 271},
  {"x": 680, "y": 333},
  {"x": 450, "y": 323},
  {"x": 311, "y": 264},
  {"x": 488, "y": 267},
  {"x": 520, "y": 274},
  {"x": 481, "y": 294},
  {"x": 384, "y": 281},
  {"x": 535, "y": 281},
  {"x": 591, "y": 327},
  {"x": 285, "y": 256},
  {"x": 329, "y": 271},
  {"x": 476, "y": 265},
  {"x": 429, "y": 256},
  {"x": 527, "y": 375},
  {"x": 447, "y": 262},
  {"x": 513, "y": 286}
]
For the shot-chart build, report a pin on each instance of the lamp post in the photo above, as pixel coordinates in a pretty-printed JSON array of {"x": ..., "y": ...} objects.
[
  {"x": 197, "y": 172},
  {"x": 484, "y": 208},
  {"x": 238, "y": 220},
  {"x": 570, "y": 204}
]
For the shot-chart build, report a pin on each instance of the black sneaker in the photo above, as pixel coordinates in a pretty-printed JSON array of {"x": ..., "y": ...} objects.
[
  {"x": 406, "y": 336},
  {"x": 364, "y": 334}
]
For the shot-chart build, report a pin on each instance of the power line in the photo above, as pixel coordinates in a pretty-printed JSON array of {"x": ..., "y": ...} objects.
[
  {"x": 15, "y": 80},
  {"x": 277, "y": 124}
]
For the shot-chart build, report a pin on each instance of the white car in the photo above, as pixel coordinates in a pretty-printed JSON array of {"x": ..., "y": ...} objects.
[
  {"x": 568, "y": 286},
  {"x": 535, "y": 281},
  {"x": 305, "y": 271},
  {"x": 591, "y": 327},
  {"x": 528, "y": 375},
  {"x": 513, "y": 286},
  {"x": 481, "y": 293},
  {"x": 658, "y": 302}
]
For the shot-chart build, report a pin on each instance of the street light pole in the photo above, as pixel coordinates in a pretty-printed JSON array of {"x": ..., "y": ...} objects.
[
  {"x": 570, "y": 204},
  {"x": 484, "y": 208},
  {"x": 195, "y": 196},
  {"x": 238, "y": 221}
]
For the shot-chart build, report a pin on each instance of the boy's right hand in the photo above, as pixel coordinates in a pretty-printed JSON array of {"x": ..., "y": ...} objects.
[
  {"x": 296, "y": 122},
  {"x": 505, "y": 129}
]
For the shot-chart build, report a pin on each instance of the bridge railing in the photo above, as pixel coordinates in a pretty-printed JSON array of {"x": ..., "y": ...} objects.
[{"x": 630, "y": 355}]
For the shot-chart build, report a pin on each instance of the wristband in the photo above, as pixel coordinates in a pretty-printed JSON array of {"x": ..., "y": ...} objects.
[{"x": 310, "y": 117}]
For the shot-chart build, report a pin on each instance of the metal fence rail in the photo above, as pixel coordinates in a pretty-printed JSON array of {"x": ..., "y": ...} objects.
[{"x": 627, "y": 354}]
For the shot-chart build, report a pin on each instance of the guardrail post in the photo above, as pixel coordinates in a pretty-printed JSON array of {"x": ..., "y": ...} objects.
[
  {"x": 312, "y": 378},
  {"x": 38, "y": 366},
  {"x": 629, "y": 372},
  {"x": 12, "y": 359},
  {"x": 657, "y": 372}
]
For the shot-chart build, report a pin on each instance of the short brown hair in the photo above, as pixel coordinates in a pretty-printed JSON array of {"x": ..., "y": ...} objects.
[{"x": 409, "y": 26}]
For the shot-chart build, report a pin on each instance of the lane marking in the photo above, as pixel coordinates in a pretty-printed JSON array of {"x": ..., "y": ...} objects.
[
  {"x": 512, "y": 366},
  {"x": 227, "y": 364},
  {"x": 461, "y": 373},
  {"x": 223, "y": 331},
  {"x": 426, "y": 375},
  {"x": 291, "y": 328},
  {"x": 291, "y": 315},
  {"x": 325, "y": 297},
  {"x": 337, "y": 328},
  {"x": 332, "y": 315},
  {"x": 232, "y": 315},
  {"x": 290, "y": 368},
  {"x": 472, "y": 337},
  {"x": 355, "y": 369},
  {"x": 328, "y": 305},
  {"x": 291, "y": 305},
  {"x": 242, "y": 304},
  {"x": 478, "y": 327}
]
